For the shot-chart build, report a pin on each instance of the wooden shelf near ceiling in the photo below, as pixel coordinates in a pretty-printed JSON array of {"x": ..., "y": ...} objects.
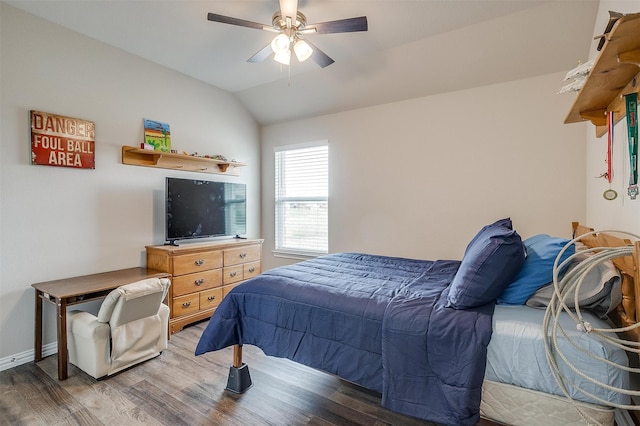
[
  {"x": 615, "y": 73},
  {"x": 164, "y": 160}
]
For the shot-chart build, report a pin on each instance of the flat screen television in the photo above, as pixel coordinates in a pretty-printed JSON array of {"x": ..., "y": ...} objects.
[{"x": 204, "y": 209}]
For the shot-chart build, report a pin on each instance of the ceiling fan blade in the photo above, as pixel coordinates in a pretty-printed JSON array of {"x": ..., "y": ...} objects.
[
  {"x": 348, "y": 25},
  {"x": 263, "y": 54},
  {"x": 319, "y": 57},
  {"x": 235, "y": 21},
  {"x": 289, "y": 8}
]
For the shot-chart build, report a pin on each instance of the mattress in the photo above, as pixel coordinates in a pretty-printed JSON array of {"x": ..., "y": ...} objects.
[
  {"x": 516, "y": 406},
  {"x": 516, "y": 355}
]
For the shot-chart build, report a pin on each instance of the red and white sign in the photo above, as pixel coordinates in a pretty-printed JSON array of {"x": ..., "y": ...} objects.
[{"x": 62, "y": 141}]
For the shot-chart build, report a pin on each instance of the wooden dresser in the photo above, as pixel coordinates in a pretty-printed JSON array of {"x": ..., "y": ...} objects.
[{"x": 202, "y": 274}]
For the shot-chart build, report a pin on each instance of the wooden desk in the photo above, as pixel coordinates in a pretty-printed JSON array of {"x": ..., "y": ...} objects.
[{"x": 70, "y": 291}]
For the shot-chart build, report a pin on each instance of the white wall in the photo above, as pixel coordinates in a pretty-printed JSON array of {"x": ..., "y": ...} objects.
[
  {"x": 419, "y": 178},
  {"x": 58, "y": 222},
  {"x": 622, "y": 213}
]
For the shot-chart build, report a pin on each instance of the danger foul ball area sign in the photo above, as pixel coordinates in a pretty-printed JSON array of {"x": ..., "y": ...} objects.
[{"x": 62, "y": 141}]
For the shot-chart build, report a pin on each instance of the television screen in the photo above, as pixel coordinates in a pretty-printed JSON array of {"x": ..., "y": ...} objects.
[{"x": 202, "y": 209}]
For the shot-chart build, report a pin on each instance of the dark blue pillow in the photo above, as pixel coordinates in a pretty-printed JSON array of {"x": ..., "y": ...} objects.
[
  {"x": 491, "y": 261},
  {"x": 502, "y": 223},
  {"x": 537, "y": 270}
]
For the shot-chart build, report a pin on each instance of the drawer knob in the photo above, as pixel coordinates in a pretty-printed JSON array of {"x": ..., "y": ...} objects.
[
  {"x": 199, "y": 262},
  {"x": 210, "y": 298},
  {"x": 252, "y": 269},
  {"x": 243, "y": 255},
  {"x": 186, "y": 304},
  {"x": 233, "y": 274},
  {"x": 199, "y": 282}
]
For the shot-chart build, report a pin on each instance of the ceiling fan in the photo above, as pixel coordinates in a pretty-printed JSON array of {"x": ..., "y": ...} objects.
[{"x": 291, "y": 25}]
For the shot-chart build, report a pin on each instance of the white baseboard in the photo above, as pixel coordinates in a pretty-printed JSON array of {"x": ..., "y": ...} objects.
[{"x": 26, "y": 356}]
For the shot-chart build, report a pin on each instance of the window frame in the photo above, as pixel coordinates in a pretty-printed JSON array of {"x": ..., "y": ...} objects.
[{"x": 297, "y": 253}]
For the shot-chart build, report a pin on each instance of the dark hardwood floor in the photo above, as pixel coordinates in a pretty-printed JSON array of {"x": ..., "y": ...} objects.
[{"x": 178, "y": 388}]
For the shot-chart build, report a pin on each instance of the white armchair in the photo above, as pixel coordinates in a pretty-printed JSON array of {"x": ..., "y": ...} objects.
[{"x": 131, "y": 327}]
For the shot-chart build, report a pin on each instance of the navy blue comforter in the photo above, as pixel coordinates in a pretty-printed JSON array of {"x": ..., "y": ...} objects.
[{"x": 380, "y": 322}]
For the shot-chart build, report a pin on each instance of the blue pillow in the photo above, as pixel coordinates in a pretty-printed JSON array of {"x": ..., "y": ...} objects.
[
  {"x": 502, "y": 223},
  {"x": 537, "y": 270},
  {"x": 491, "y": 261}
]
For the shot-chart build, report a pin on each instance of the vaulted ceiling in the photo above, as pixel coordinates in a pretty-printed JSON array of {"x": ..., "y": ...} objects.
[{"x": 413, "y": 48}]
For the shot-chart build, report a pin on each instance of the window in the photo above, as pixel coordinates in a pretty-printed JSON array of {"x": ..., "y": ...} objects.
[{"x": 302, "y": 199}]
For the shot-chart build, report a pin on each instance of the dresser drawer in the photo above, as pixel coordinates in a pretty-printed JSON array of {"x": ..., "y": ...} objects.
[
  {"x": 210, "y": 298},
  {"x": 190, "y": 263},
  {"x": 185, "y": 304},
  {"x": 185, "y": 284},
  {"x": 251, "y": 270},
  {"x": 239, "y": 255},
  {"x": 227, "y": 288},
  {"x": 232, "y": 274}
]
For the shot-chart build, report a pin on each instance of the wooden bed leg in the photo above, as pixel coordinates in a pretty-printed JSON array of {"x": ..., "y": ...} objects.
[
  {"x": 239, "y": 379},
  {"x": 237, "y": 356}
]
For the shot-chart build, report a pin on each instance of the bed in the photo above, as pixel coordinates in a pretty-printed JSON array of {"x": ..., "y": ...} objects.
[{"x": 427, "y": 335}]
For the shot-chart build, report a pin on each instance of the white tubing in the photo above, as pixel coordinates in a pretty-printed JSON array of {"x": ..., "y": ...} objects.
[{"x": 572, "y": 281}]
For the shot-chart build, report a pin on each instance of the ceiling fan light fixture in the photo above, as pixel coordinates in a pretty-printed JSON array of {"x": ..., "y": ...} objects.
[
  {"x": 280, "y": 43},
  {"x": 290, "y": 24},
  {"x": 302, "y": 50},
  {"x": 283, "y": 56}
]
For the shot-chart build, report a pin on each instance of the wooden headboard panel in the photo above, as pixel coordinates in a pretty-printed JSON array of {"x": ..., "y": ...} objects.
[{"x": 629, "y": 310}]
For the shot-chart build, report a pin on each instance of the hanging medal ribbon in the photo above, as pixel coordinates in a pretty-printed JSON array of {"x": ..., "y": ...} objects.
[
  {"x": 610, "y": 194},
  {"x": 631, "y": 101}
]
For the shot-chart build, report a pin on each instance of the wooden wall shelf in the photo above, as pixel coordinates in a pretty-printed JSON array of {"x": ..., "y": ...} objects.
[
  {"x": 614, "y": 73},
  {"x": 163, "y": 160}
]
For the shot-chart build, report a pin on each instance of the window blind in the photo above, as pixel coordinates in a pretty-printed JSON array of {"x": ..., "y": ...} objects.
[{"x": 301, "y": 199}]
